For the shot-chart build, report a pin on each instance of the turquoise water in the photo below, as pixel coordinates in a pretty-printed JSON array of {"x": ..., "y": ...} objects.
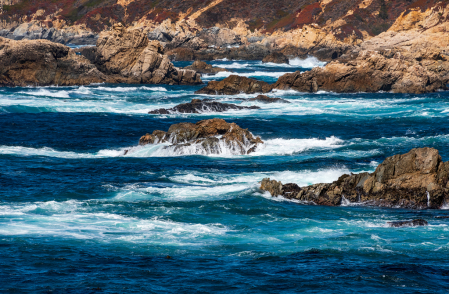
[{"x": 78, "y": 216}]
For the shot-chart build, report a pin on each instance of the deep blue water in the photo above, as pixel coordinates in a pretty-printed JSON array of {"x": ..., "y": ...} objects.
[{"x": 76, "y": 216}]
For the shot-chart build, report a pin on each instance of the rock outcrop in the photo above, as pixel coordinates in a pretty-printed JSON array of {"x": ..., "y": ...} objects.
[
  {"x": 235, "y": 85},
  {"x": 276, "y": 57},
  {"x": 43, "y": 63},
  {"x": 202, "y": 67},
  {"x": 266, "y": 99},
  {"x": 201, "y": 106},
  {"x": 373, "y": 71},
  {"x": 129, "y": 54},
  {"x": 413, "y": 223},
  {"x": 213, "y": 136},
  {"x": 121, "y": 56},
  {"x": 418, "y": 179}
]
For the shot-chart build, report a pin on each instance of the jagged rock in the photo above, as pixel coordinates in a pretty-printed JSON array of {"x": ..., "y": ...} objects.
[
  {"x": 201, "y": 106},
  {"x": 266, "y": 99},
  {"x": 43, "y": 63},
  {"x": 276, "y": 57},
  {"x": 121, "y": 57},
  {"x": 412, "y": 223},
  {"x": 129, "y": 54},
  {"x": 417, "y": 180},
  {"x": 373, "y": 71},
  {"x": 235, "y": 85},
  {"x": 202, "y": 67},
  {"x": 212, "y": 136}
]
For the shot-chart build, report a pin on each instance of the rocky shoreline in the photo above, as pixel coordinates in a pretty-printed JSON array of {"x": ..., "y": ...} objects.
[{"x": 418, "y": 179}]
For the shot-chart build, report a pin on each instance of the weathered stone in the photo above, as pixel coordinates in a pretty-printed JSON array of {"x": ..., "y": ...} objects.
[
  {"x": 417, "y": 180},
  {"x": 202, "y": 67},
  {"x": 266, "y": 99},
  {"x": 213, "y": 136},
  {"x": 276, "y": 57},
  {"x": 235, "y": 85},
  {"x": 201, "y": 106},
  {"x": 412, "y": 223}
]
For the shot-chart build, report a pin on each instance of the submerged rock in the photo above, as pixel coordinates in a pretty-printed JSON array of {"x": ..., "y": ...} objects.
[
  {"x": 233, "y": 85},
  {"x": 204, "y": 68},
  {"x": 212, "y": 136},
  {"x": 276, "y": 57},
  {"x": 418, "y": 179},
  {"x": 201, "y": 106},
  {"x": 266, "y": 99},
  {"x": 412, "y": 223}
]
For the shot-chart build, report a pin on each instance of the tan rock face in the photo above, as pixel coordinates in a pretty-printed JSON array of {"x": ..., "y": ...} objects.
[
  {"x": 213, "y": 136},
  {"x": 130, "y": 54},
  {"x": 235, "y": 85},
  {"x": 42, "y": 63},
  {"x": 371, "y": 71},
  {"x": 418, "y": 180},
  {"x": 204, "y": 68}
]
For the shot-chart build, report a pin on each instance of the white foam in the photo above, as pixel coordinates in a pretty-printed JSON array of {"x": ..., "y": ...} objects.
[
  {"x": 309, "y": 62},
  {"x": 291, "y": 146},
  {"x": 131, "y": 89},
  {"x": 250, "y": 74},
  {"x": 47, "y": 93}
]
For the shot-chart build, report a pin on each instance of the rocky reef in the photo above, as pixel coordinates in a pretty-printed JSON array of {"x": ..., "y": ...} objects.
[
  {"x": 412, "y": 223},
  {"x": 266, "y": 99},
  {"x": 212, "y": 136},
  {"x": 202, "y": 67},
  {"x": 121, "y": 56},
  {"x": 233, "y": 85},
  {"x": 276, "y": 57},
  {"x": 201, "y": 106},
  {"x": 418, "y": 179}
]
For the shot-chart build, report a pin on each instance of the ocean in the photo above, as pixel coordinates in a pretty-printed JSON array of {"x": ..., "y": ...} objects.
[{"x": 77, "y": 215}]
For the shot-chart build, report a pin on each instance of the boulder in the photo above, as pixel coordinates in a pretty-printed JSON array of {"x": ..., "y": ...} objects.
[
  {"x": 212, "y": 136},
  {"x": 266, "y": 99},
  {"x": 202, "y": 67},
  {"x": 233, "y": 85},
  {"x": 411, "y": 223},
  {"x": 201, "y": 106},
  {"x": 44, "y": 63},
  {"x": 276, "y": 57},
  {"x": 417, "y": 180}
]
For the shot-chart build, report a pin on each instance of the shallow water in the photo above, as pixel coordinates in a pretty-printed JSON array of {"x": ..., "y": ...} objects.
[{"x": 77, "y": 215}]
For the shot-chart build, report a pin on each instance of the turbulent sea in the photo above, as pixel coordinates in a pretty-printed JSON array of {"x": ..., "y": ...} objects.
[{"x": 78, "y": 216}]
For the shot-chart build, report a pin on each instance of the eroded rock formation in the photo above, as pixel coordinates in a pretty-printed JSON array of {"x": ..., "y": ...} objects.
[
  {"x": 202, "y": 67},
  {"x": 43, "y": 63},
  {"x": 235, "y": 85},
  {"x": 276, "y": 57},
  {"x": 266, "y": 99},
  {"x": 418, "y": 179},
  {"x": 201, "y": 106},
  {"x": 212, "y": 136},
  {"x": 121, "y": 56}
]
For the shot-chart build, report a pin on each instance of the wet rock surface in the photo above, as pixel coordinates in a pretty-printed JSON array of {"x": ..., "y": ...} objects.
[
  {"x": 212, "y": 136},
  {"x": 235, "y": 85},
  {"x": 201, "y": 106},
  {"x": 202, "y": 67},
  {"x": 411, "y": 223},
  {"x": 276, "y": 57},
  {"x": 266, "y": 99},
  {"x": 418, "y": 179}
]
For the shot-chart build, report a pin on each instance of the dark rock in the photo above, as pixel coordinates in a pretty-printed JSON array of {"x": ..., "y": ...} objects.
[
  {"x": 266, "y": 99},
  {"x": 201, "y": 106},
  {"x": 276, "y": 57},
  {"x": 213, "y": 136},
  {"x": 417, "y": 180},
  {"x": 412, "y": 223},
  {"x": 235, "y": 85},
  {"x": 204, "y": 68}
]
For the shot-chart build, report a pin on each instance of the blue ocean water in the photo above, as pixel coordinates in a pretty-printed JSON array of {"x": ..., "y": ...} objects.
[{"x": 79, "y": 216}]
